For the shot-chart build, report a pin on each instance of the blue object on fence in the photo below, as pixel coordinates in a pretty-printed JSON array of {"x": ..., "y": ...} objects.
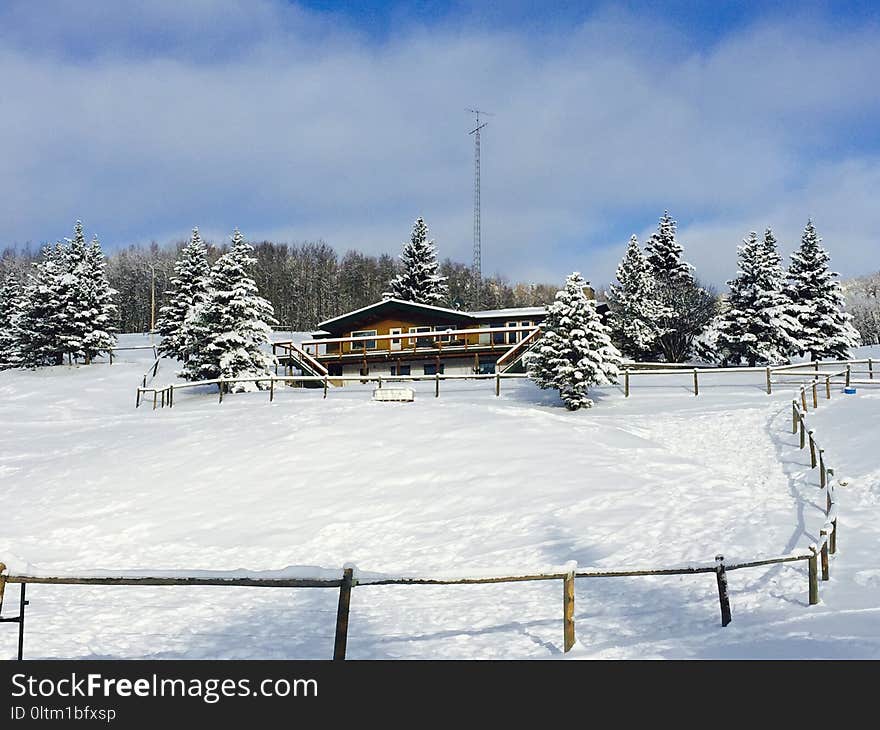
[{"x": 849, "y": 391}]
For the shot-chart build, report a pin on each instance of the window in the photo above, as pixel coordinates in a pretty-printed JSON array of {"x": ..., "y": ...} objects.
[
  {"x": 371, "y": 344},
  {"x": 443, "y": 328},
  {"x": 487, "y": 367},
  {"x": 404, "y": 370},
  {"x": 334, "y": 369},
  {"x": 432, "y": 369},
  {"x": 420, "y": 341},
  {"x": 498, "y": 338}
]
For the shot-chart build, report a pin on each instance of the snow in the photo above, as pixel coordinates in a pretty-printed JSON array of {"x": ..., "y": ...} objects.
[{"x": 466, "y": 485}]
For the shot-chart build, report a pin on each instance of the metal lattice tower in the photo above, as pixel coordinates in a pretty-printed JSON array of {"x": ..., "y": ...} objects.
[{"x": 478, "y": 254}]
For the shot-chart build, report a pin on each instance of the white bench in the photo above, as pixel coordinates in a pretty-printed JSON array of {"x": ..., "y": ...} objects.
[{"x": 394, "y": 394}]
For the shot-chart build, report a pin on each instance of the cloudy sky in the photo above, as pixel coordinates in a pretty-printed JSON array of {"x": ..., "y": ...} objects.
[{"x": 299, "y": 121}]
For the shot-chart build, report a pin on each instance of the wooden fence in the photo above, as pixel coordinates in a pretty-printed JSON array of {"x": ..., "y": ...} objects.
[{"x": 164, "y": 395}]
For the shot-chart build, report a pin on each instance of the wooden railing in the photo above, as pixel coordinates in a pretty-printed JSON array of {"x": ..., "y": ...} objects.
[{"x": 409, "y": 342}]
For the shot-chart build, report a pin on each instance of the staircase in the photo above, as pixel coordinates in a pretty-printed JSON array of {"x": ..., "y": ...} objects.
[
  {"x": 297, "y": 357},
  {"x": 514, "y": 355}
]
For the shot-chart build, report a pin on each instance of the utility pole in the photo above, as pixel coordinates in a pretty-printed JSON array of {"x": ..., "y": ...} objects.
[{"x": 477, "y": 272}]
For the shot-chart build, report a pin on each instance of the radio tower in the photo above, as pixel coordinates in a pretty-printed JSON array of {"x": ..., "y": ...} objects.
[{"x": 478, "y": 255}]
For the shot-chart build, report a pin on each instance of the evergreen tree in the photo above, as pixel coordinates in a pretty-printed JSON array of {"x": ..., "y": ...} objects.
[
  {"x": 190, "y": 282},
  {"x": 757, "y": 327},
  {"x": 420, "y": 280},
  {"x": 72, "y": 290},
  {"x": 10, "y": 312},
  {"x": 664, "y": 253},
  {"x": 825, "y": 329},
  {"x": 634, "y": 305},
  {"x": 230, "y": 329},
  {"x": 99, "y": 332},
  {"x": 686, "y": 308},
  {"x": 43, "y": 323},
  {"x": 575, "y": 349}
]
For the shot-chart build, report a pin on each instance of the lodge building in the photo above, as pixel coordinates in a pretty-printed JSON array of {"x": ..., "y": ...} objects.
[{"x": 400, "y": 338}]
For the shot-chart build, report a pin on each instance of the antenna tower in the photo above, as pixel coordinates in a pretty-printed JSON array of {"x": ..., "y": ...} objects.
[{"x": 478, "y": 254}]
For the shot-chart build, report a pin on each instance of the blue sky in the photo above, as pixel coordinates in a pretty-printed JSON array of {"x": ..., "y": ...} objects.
[{"x": 299, "y": 121}]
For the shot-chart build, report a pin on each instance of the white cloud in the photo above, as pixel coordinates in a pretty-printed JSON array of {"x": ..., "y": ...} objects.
[{"x": 291, "y": 124}]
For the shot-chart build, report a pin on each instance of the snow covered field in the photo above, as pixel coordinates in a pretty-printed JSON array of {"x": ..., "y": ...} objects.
[{"x": 464, "y": 483}]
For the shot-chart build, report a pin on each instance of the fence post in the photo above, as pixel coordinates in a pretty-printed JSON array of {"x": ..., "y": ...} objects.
[
  {"x": 568, "y": 611},
  {"x": 155, "y": 394},
  {"x": 815, "y": 396},
  {"x": 812, "y": 449},
  {"x": 804, "y": 397},
  {"x": 833, "y": 539},
  {"x": 828, "y": 388},
  {"x": 155, "y": 368},
  {"x": 380, "y": 382},
  {"x": 171, "y": 396},
  {"x": 769, "y": 388},
  {"x": 145, "y": 380},
  {"x": 794, "y": 416},
  {"x": 271, "y": 389},
  {"x": 220, "y": 385},
  {"x": 342, "y": 611},
  {"x": 325, "y": 386},
  {"x": 802, "y": 430},
  {"x": 497, "y": 383},
  {"x": 137, "y": 402},
  {"x": 822, "y": 479},
  {"x": 824, "y": 552},
  {"x": 696, "y": 384},
  {"x": 626, "y": 383},
  {"x": 813, "y": 576},
  {"x": 111, "y": 357},
  {"x": 437, "y": 384},
  {"x": 848, "y": 374},
  {"x": 723, "y": 597},
  {"x": 870, "y": 368},
  {"x": 2, "y": 584}
]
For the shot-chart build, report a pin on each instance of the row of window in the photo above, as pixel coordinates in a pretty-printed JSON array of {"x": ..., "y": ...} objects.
[
  {"x": 499, "y": 338},
  {"x": 335, "y": 369}
]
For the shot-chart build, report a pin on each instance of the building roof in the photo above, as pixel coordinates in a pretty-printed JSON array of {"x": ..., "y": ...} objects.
[
  {"x": 389, "y": 308},
  {"x": 510, "y": 312}
]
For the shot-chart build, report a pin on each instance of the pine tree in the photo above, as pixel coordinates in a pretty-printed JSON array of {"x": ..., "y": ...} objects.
[
  {"x": 99, "y": 332},
  {"x": 43, "y": 323},
  {"x": 575, "y": 349},
  {"x": 420, "y": 280},
  {"x": 10, "y": 311},
  {"x": 757, "y": 327},
  {"x": 664, "y": 253},
  {"x": 686, "y": 308},
  {"x": 825, "y": 328},
  {"x": 230, "y": 329},
  {"x": 635, "y": 308},
  {"x": 72, "y": 290},
  {"x": 190, "y": 282}
]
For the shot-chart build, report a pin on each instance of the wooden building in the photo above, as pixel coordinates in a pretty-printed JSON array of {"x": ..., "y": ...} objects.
[{"x": 397, "y": 337}]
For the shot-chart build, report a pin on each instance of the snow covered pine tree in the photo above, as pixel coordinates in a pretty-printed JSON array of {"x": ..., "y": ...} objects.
[
  {"x": 44, "y": 311},
  {"x": 190, "y": 282},
  {"x": 99, "y": 334},
  {"x": 575, "y": 349},
  {"x": 757, "y": 328},
  {"x": 825, "y": 328},
  {"x": 635, "y": 309},
  {"x": 688, "y": 308},
  {"x": 10, "y": 311},
  {"x": 232, "y": 326},
  {"x": 420, "y": 280}
]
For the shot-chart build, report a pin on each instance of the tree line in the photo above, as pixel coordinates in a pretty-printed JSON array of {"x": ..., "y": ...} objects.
[
  {"x": 658, "y": 308},
  {"x": 306, "y": 282}
]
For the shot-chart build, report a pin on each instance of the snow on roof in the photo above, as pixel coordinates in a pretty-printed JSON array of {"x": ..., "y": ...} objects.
[
  {"x": 391, "y": 300},
  {"x": 510, "y": 312}
]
